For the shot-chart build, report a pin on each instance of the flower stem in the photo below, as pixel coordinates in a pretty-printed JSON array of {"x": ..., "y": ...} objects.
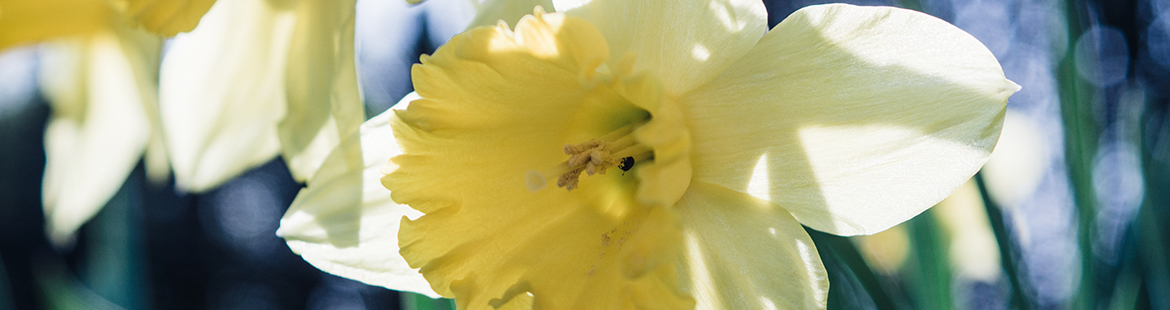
[
  {"x": 996, "y": 217},
  {"x": 412, "y": 301},
  {"x": 837, "y": 249},
  {"x": 1081, "y": 134}
]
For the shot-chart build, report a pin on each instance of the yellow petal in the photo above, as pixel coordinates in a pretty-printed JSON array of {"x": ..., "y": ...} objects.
[
  {"x": 497, "y": 104},
  {"x": 222, "y": 92},
  {"x": 98, "y": 87},
  {"x": 344, "y": 222},
  {"x": 685, "y": 43},
  {"x": 167, "y": 17},
  {"x": 23, "y": 21},
  {"x": 509, "y": 11},
  {"x": 747, "y": 253},
  {"x": 567, "y": 255},
  {"x": 853, "y": 118},
  {"x": 323, "y": 101}
]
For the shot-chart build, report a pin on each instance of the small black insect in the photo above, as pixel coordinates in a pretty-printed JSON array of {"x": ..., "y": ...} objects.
[{"x": 627, "y": 164}]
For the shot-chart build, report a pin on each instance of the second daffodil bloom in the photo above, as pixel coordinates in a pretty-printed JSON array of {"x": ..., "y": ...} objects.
[
  {"x": 664, "y": 154},
  {"x": 100, "y": 75}
]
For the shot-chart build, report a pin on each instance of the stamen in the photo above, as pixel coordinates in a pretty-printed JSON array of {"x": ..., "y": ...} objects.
[
  {"x": 617, "y": 149},
  {"x": 536, "y": 180}
]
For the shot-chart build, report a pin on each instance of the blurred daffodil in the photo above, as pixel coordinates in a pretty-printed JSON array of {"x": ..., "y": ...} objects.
[
  {"x": 27, "y": 21},
  {"x": 974, "y": 253},
  {"x": 100, "y": 74},
  {"x": 692, "y": 146},
  {"x": 101, "y": 88},
  {"x": 1016, "y": 168},
  {"x": 256, "y": 79}
]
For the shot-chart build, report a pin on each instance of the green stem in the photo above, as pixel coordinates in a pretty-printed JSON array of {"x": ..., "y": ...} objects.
[
  {"x": 1152, "y": 253},
  {"x": 1081, "y": 134},
  {"x": 412, "y": 301},
  {"x": 844, "y": 249},
  {"x": 931, "y": 255},
  {"x": 995, "y": 216},
  {"x": 1148, "y": 228}
]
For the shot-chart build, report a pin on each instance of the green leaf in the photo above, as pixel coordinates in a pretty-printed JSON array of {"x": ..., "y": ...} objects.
[{"x": 413, "y": 301}]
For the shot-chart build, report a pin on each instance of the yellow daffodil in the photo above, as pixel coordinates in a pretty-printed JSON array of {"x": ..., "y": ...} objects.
[
  {"x": 27, "y": 21},
  {"x": 100, "y": 75},
  {"x": 344, "y": 222},
  {"x": 655, "y": 154}
]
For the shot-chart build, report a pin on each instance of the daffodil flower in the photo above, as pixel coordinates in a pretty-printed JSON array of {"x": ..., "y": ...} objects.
[
  {"x": 253, "y": 80},
  {"x": 100, "y": 73},
  {"x": 658, "y": 154}
]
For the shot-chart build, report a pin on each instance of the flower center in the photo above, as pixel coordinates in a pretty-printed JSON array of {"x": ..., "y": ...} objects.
[{"x": 618, "y": 149}]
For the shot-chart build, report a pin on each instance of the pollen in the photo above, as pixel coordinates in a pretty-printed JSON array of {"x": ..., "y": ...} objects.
[{"x": 617, "y": 149}]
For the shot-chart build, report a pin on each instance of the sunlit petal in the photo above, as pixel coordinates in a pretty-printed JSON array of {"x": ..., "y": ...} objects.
[
  {"x": 222, "y": 92},
  {"x": 323, "y": 101},
  {"x": 863, "y": 116},
  {"x": 509, "y": 11},
  {"x": 344, "y": 222},
  {"x": 747, "y": 253},
  {"x": 685, "y": 43}
]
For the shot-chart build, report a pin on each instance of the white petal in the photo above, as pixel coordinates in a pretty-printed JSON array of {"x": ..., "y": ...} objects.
[
  {"x": 747, "y": 253},
  {"x": 853, "y": 118},
  {"x": 222, "y": 92},
  {"x": 686, "y": 43},
  {"x": 345, "y": 223},
  {"x": 99, "y": 128},
  {"x": 322, "y": 91}
]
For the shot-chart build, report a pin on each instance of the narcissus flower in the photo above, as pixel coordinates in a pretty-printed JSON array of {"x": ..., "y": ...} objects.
[
  {"x": 100, "y": 73},
  {"x": 255, "y": 79},
  {"x": 662, "y": 154}
]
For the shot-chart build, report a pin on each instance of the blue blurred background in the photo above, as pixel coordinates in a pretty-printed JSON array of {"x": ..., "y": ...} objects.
[{"x": 1071, "y": 217}]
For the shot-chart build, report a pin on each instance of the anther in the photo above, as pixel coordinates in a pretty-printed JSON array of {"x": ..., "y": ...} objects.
[{"x": 618, "y": 149}]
